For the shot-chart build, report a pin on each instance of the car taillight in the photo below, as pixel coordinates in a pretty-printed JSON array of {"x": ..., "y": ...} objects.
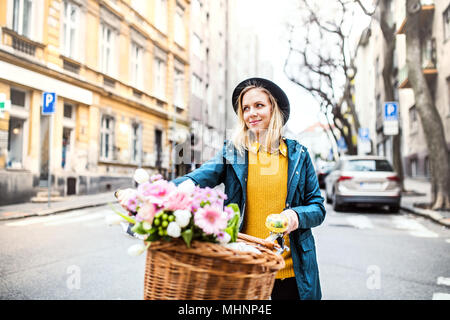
[
  {"x": 393, "y": 178},
  {"x": 342, "y": 178}
]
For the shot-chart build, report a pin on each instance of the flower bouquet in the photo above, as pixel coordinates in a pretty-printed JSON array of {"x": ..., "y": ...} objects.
[
  {"x": 194, "y": 250},
  {"x": 163, "y": 211}
]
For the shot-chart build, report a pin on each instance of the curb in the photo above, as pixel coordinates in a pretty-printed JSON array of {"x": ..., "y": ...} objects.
[
  {"x": 430, "y": 214},
  {"x": 50, "y": 211}
]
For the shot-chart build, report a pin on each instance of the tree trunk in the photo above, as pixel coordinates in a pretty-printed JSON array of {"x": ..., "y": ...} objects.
[
  {"x": 388, "y": 64},
  {"x": 429, "y": 115}
]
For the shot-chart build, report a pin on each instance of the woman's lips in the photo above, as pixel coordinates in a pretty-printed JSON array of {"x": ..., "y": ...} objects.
[{"x": 254, "y": 122}]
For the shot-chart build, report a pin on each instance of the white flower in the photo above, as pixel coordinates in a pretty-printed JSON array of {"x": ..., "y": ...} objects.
[
  {"x": 224, "y": 238},
  {"x": 137, "y": 249},
  {"x": 173, "y": 230},
  {"x": 141, "y": 176},
  {"x": 124, "y": 195},
  {"x": 113, "y": 219},
  {"x": 187, "y": 186},
  {"x": 182, "y": 217}
]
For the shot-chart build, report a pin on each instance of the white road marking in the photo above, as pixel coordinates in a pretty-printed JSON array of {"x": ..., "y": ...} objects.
[
  {"x": 443, "y": 281},
  {"x": 441, "y": 296},
  {"x": 447, "y": 240},
  {"x": 360, "y": 222},
  {"x": 89, "y": 216},
  {"x": 34, "y": 220},
  {"x": 413, "y": 227}
]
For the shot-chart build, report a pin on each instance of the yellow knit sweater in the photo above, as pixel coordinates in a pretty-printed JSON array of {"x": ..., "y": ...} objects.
[{"x": 266, "y": 194}]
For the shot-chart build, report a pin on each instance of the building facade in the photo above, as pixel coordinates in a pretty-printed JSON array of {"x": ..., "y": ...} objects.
[
  {"x": 120, "y": 70},
  {"x": 435, "y": 28},
  {"x": 369, "y": 91}
]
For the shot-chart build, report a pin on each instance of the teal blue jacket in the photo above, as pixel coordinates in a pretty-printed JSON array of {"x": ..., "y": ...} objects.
[{"x": 303, "y": 196}]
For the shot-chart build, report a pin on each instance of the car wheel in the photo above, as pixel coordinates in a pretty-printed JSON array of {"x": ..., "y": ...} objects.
[
  {"x": 336, "y": 206},
  {"x": 327, "y": 197},
  {"x": 394, "y": 209}
]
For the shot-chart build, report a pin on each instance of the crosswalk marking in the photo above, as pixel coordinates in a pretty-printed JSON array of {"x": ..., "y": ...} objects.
[
  {"x": 441, "y": 296},
  {"x": 360, "y": 222},
  {"x": 91, "y": 216},
  {"x": 443, "y": 281},
  {"x": 413, "y": 227}
]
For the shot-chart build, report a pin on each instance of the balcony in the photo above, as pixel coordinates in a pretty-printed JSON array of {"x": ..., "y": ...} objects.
[
  {"x": 22, "y": 44},
  {"x": 426, "y": 13}
]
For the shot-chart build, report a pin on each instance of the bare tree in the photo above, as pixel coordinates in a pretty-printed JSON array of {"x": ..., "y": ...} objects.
[
  {"x": 381, "y": 13},
  {"x": 321, "y": 60},
  {"x": 428, "y": 113}
]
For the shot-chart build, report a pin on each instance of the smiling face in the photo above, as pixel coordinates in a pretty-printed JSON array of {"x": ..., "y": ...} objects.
[{"x": 256, "y": 110}]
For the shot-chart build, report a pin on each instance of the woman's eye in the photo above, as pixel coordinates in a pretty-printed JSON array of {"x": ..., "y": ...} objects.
[{"x": 260, "y": 105}]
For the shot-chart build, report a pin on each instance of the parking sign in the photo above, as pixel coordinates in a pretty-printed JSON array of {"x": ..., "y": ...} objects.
[
  {"x": 391, "y": 111},
  {"x": 48, "y": 103}
]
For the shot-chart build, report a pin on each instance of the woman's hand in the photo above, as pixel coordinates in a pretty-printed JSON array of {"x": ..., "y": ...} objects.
[{"x": 291, "y": 215}]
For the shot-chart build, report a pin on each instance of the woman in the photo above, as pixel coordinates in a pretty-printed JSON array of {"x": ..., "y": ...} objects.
[{"x": 265, "y": 173}]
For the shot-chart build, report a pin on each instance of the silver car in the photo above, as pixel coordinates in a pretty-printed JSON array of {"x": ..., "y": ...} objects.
[{"x": 363, "y": 180}]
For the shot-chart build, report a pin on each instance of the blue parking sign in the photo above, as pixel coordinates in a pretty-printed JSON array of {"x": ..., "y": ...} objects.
[
  {"x": 48, "y": 103},
  {"x": 391, "y": 111}
]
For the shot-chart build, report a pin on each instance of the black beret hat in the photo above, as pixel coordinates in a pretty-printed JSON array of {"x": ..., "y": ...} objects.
[{"x": 276, "y": 91}]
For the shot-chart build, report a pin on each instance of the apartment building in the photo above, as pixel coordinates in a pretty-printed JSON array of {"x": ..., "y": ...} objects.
[
  {"x": 435, "y": 29},
  {"x": 120, "y": 70},
  {"x": 369, "y": 90},
  {"x": 208, "y": 78}
]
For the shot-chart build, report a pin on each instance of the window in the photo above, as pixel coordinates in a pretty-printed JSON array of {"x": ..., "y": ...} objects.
[
  {"x": 197, "y": 86},
  {"x": 22, "y": 16},
  {"x": 161, "y": 15},
  {"x": 367, "y": 165},
  {"x": 178, "y": 92},
  {"x": 17, "y": 98},
  {"x": 136, "y": 145},
  {"x": 136, "y": 66},
  {"x": 70, "y": 25},
  {"x": 107, "y": 137},
  {"x": 17, "y": 126},
  {"x": 413, "y": 166},
  {"x": 197, "y": 46},
  {"x": 68, "y": 111},
  {"x": 160, "y": 78},
  {"x": 107, "y": 50},
  {"x": 180, "y": 32},
  {"x": 413, "y": 118},
  {"x": 446, "y": 19},
  {"x": 158, "y": 147}
]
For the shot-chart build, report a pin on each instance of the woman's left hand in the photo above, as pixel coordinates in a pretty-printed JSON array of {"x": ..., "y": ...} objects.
[{"x": 291, "y": 215}]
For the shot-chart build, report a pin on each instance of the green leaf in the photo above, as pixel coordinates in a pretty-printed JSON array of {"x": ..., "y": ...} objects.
[
  {"x": 153, "y": 237},
  {"x": 234, "y": 206},
  {"x": 127, "y": 218},
  {"x": 138, "y": 228},
  {"x": 187, "y": 237}
]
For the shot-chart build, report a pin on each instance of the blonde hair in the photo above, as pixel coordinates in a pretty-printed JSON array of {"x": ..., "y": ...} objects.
[{"x": 242, "y": 137}]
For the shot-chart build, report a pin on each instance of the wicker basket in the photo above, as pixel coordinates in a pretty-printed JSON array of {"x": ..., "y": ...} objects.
[{"x": 209, "y": 271}]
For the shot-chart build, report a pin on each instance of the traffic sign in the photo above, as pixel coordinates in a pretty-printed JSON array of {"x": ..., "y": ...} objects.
[
  {"x": 363, "y": 133},
  {"x": 48, "y": 103},
  {"x": 391, "y": 111}
]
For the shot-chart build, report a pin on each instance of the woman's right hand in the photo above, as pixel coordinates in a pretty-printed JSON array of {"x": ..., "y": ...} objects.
[{"x": 123, "y": 195}]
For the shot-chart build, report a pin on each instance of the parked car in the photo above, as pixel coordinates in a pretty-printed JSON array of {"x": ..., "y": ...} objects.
[
  {"x": 323, "y": 169},
  {"x": 363, "y": 180}
]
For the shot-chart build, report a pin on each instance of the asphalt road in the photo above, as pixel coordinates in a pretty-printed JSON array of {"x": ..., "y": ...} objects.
[{"x": 362, "y": 254}]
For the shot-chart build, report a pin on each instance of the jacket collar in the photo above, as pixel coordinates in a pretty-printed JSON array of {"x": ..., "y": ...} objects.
[{"x": 256, "y": 146}]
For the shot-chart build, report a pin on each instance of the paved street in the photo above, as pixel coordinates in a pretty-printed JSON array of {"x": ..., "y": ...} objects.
[{"x": 362, "y": 254}]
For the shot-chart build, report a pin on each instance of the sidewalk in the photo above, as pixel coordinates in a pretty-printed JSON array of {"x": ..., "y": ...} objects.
[
  {"x": 29, "y": 209},
  {"x": 419, "y": 191}
]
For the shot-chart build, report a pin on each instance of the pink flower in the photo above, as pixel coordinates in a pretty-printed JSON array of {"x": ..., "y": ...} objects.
[
  {"x": 132, "y": 204},
  {"x": 146, "y": 213},
  {"x": 178, "y": 200},
  {"x": 155, "y": 177},
  {"x": 211, "y": 220},
  {"x": 156, "y": 192}
]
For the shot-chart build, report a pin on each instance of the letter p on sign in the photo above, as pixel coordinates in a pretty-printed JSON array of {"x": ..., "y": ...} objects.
[{"x": 48, "y": 103}]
